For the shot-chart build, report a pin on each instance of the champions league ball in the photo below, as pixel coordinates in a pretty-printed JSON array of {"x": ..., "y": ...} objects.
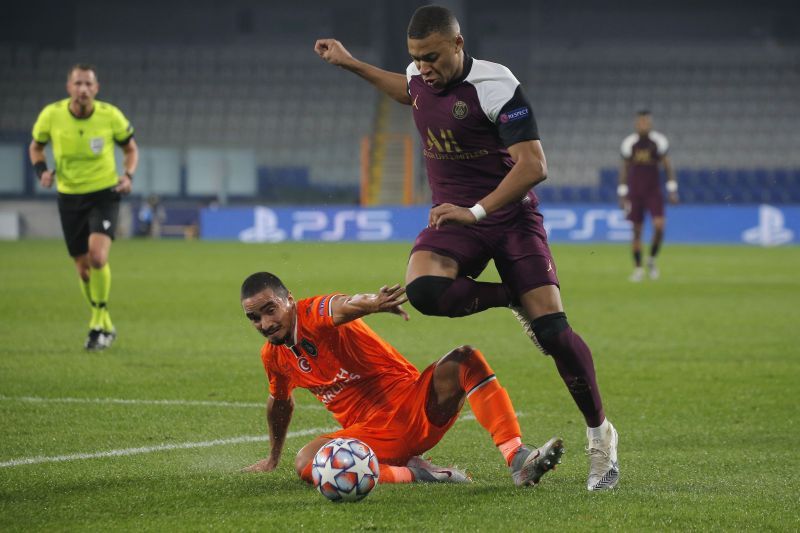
[{"x": 345, "y": 470}]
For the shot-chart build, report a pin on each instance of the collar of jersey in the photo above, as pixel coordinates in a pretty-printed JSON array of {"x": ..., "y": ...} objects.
[
  {"x": 464, "y": 71},
  {"x": 87, "y": 117},
  {"x": 461, "y": 77},
  {"x": 294, "y": 335}
]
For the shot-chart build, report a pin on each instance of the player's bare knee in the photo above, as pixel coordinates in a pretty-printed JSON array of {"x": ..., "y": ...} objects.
[
  {"x": 466, "y": 350},
  {"x": 459, "y": 354},
  {"x": 97, "y": 259}
]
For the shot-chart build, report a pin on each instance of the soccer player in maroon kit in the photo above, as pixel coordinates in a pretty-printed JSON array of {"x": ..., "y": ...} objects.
[
  {"x": 639, "y": 188},
  {"x": 483, "y": 156}
]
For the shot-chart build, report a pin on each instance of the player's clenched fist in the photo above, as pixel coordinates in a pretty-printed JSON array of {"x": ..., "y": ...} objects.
[
  {"x": 450, "y": 214},
  {"x": 332, "y": 51}
]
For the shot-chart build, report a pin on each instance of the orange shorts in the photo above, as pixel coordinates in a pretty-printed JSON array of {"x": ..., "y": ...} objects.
[{"x": 397, "y": 436}]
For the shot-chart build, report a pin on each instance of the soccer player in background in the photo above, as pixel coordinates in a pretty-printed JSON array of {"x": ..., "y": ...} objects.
[
  {"x": 83, "y": 132},
  {"x": 483, "y": 156},
  {"x": 639, "y": 188},
  {"x": 378, "y": 397}
]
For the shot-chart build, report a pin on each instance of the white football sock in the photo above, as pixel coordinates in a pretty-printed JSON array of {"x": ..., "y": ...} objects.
[{"x": 600, "y": 431}]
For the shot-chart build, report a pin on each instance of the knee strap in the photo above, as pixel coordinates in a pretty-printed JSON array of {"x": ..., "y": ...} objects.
[
  {"x": 425, "y": 292},
  {"x": 547, "y": 327}
]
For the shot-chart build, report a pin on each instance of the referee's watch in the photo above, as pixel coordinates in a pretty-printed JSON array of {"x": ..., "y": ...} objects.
[{"x": 129, "y": 174}]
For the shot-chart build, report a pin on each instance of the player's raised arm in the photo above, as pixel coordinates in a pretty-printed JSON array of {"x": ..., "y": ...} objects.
[
  {"x": 279, "y": 414},
  {"x": 393, "y": 84},
  {"x": 388, "y": 300},
  {"x": 530, "y": 168}
]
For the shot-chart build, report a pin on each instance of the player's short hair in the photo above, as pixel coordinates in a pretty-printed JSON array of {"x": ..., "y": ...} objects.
[
  {"x": 81, "y": 66},
  {"x": 259, "y": 281},
  {"x": 432, "y": 19},
  {"x": 643, "y": 113}
]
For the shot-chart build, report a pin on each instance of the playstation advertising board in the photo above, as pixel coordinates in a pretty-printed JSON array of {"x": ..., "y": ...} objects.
[{"x": 759, "y": 225}]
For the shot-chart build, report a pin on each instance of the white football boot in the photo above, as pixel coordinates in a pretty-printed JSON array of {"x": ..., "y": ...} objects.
[
  {"x": 637, "y": 275},
  {"x": 528, "y": 466},
  {"x": 652, "y": 270},
  {"x": 426, "y": 472},
  {"x": 603, "y": 465}
]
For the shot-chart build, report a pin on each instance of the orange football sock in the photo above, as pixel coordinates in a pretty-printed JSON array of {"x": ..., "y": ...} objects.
[
  {"x": 490, "y": 403},
  {"x": 509, "y": 448},
  {"x": 395, "y": 474}
]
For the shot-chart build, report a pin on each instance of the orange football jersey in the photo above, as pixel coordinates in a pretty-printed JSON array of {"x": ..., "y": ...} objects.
[{"x": 349, "y": 368}]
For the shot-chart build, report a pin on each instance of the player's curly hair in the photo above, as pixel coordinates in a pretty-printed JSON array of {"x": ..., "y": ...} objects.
[
  {"x": 259, "y": 281},
  {"x": 432, "y": 19}
]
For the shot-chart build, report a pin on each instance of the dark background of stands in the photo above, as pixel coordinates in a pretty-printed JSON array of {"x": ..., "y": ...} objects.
[{"x": 722, "y": 78}]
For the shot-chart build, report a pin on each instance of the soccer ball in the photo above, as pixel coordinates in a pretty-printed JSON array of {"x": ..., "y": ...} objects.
[{"x": 345, "y": 470}]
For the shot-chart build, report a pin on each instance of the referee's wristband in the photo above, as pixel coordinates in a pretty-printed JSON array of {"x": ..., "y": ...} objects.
[
  {"x": 40, "y": 167},
  {"x": 129, "y": 174},
  {"x": 622, "y": 190},
  {"x": 672, "y": 186},
  {"x": 478, "y": 212}
]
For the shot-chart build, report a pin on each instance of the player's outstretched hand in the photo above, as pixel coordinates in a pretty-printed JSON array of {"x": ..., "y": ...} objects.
[
  {"x": 124, "y": 185},
  {"x": 390, "y": 300},
  {"x": 450, "y": 214},
  {"x": 332, "y": 51},
  {"x": 264, "y": 465}
]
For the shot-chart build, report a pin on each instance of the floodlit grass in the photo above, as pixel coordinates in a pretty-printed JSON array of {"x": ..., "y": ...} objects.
[{"x": 699, "y": 373}]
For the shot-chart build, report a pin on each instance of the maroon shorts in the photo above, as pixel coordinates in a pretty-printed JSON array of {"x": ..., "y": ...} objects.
[
  {"x": 517, "y": 246},
  {"x": 652, "y": 203}
]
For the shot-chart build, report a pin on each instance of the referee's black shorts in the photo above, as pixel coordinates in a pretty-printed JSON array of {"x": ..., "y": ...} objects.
[{"x": 82, "y": 214}]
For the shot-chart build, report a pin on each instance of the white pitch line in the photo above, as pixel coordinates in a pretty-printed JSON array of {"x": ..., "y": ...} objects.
[
  {"x": 124, "y": 401},
  {"x": 152, "y": 449},
  {"x": 168, "y": 447}
]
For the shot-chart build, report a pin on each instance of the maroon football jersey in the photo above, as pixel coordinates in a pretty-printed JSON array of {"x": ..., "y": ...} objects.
[
  {"x": 643, "y": 154},
  {"x": 466, "y": 128}
]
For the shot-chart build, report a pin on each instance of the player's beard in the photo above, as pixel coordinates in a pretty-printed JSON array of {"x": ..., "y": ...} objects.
[{"x": 272, "y": 340}]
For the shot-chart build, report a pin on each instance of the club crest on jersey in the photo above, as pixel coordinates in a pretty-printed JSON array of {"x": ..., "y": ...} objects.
[
  {"x": 515, "y": 114},
  {"x": 96, "y": 144},
  {"x": 309, "y": 347},
  {"x": 460, "y": 109},
  {"x": 303, "y": 364}
]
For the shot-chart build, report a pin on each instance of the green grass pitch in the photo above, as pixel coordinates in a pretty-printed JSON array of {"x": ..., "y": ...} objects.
[{"x": 699, "y": 372}]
